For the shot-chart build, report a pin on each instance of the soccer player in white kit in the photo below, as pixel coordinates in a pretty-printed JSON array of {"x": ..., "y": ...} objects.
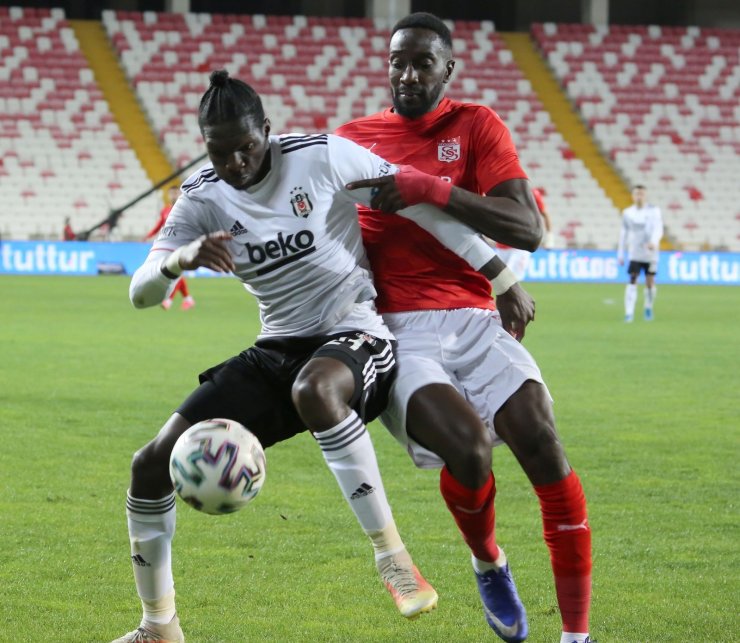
[
  {"x": 640, "y": 235},
  {"x": 275, "y": 212}
]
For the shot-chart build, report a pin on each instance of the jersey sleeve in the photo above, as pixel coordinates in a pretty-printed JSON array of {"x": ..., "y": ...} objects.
[
  {"x": 148, "y": 285},
  {"x": 496, "y": 158},
  {"x": 351, "y": 162}
]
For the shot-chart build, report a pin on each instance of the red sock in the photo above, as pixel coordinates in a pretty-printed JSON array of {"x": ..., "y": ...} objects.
[
  {"x": 568, "y": 537},
  {"x": 181, "y": 287},
  {"x": 474, "y": 514}
]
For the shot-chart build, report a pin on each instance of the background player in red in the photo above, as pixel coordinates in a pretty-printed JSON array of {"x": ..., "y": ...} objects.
[
  {"x": 68, "y": 234},
  {"x": 517, "y": 259},
  {"x": 181, "y": 286},
  {"x": 456, "y": 362}
]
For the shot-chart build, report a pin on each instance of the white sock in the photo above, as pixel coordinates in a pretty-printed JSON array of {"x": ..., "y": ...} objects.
[
  {"x": 482, "y": 566},
  {"x": 573, "y": 637},
  {"x": 649, "y": 297},
  {"x": 386, "y": 542},
  {"x": 349, "y": 452},
  {"x": 630, "y": 299},
  {"x": 151, "y": 527}
]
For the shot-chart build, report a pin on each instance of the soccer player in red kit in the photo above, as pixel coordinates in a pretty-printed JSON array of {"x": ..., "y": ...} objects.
[
  {"x": 464, "y": 383},
  {"x": 181, "y": 286}
]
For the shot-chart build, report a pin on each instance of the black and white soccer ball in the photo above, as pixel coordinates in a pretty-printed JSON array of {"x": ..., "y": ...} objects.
[{"x": 217, "y": 466}]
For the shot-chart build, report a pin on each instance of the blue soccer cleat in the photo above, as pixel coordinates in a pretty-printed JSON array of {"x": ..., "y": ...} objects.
[
  {"x": 648, "y": 314},
  {"x": 628, "y": 319},
  {"x": 501, "y": 604}
]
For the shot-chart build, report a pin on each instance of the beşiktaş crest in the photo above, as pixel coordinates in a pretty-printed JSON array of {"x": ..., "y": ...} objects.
[
  {"x": 448, "y": 149},
  {"x": 301, "y": 202}
]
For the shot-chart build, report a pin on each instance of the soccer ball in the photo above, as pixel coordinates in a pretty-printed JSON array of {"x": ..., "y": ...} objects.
[{"x": 217, "y": 466}]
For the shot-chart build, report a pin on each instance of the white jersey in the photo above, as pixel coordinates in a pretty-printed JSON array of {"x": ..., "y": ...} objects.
[
  {"x": 296, "y": 242},
  {"x": 640, "y": 227}
]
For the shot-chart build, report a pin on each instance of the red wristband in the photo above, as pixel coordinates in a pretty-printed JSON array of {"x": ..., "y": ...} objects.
[{"x": 419, "y": 187}]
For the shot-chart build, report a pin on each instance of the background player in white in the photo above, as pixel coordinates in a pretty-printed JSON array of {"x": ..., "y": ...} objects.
[
  {"x": 275, "y": 212},
  {"x": 640, "y": 235}
]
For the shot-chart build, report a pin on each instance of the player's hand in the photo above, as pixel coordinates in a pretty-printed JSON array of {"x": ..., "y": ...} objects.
[
  {"x": 209, "y": 251},
  {"x": 408, "y": 186},
  {"x": 516, "y": 307},
  {"x": 384, "y": 194}
]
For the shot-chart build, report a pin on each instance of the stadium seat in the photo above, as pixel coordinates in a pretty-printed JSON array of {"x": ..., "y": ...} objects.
[
  {"x": 58, "y": 140},
  {"x": 663, "y": 103},
  {"x": 317, "y": 73}
]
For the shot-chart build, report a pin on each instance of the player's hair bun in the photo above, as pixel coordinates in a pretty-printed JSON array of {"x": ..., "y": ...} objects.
[{"x": 219, "y": 78}]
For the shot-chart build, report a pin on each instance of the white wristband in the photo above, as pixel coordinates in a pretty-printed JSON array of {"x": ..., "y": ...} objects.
[
  {"x": 172, "y": 263},
  {"x": 503, "y": 281}
]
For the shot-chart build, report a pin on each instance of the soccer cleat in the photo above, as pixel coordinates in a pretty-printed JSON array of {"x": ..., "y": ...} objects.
[
  {"x": 166, "y": 303},
  {"x": 155, "y": 633},
  {"x": 187, "y": 303},
  {"x": 628, "y": 319},
  {"x": 501, "y": 604},
  {"x": 648, "y": 314},
  {"x": 588, "y": 640},
  {"x": 411, "y": 592}
]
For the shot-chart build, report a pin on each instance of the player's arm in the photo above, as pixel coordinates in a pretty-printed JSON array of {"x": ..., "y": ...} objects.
[
  {"x": 355, "y": 171},
  {"x": 656, "y": 233},
  {"x": 622, "y": 239},
  {"x": 181, "y": 246},
  {"x": 508, "y": 213}
]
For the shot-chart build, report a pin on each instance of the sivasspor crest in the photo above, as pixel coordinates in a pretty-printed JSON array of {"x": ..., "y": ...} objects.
[
  {"x": 448, "y": 150},
  {"x": 301, "y": 203}
]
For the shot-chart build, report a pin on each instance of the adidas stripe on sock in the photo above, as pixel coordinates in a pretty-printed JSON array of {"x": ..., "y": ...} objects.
[{"x": 349, "y": 453}]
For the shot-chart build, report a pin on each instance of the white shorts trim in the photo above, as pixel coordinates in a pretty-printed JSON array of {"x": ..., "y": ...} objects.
[{"x": 465, "y": 348}]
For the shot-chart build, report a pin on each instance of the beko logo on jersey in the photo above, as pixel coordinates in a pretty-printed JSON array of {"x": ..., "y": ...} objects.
[{"x": 285, "y": 249}]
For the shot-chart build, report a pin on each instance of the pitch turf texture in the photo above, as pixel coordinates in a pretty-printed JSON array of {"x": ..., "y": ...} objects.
[{"x": 648, "y": 413}]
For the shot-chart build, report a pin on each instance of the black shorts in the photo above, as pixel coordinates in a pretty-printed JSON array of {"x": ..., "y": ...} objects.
[
  {"x": 254, "y": 388},
  {"x": 636, "y": 267}
]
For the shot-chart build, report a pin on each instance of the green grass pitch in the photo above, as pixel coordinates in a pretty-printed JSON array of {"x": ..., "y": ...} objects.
[{"x": 648, "y": 413}]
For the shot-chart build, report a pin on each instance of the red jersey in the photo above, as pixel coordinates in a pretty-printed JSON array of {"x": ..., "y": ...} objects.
[
  {"x": 163, "y": 214},
  {"x": 464, "y": 143}
]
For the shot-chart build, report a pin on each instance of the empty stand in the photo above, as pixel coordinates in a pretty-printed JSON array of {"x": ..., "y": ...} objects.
[
  {"x": 317, "y": 73},
  {"x": 61, "y": 153},
  {"x": 664, "y": 103}
]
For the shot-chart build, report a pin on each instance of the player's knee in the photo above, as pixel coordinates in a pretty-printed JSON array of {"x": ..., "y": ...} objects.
[
  {"x": 148, "y": 466},
  {"x": 317, "y": 401},
  {"x": 469, "y": 458}
]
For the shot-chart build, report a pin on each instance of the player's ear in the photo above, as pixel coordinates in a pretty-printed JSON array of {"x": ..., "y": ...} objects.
[
  {"x": 449, "y": 66},
  {"x": 267, "y": 127}
]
